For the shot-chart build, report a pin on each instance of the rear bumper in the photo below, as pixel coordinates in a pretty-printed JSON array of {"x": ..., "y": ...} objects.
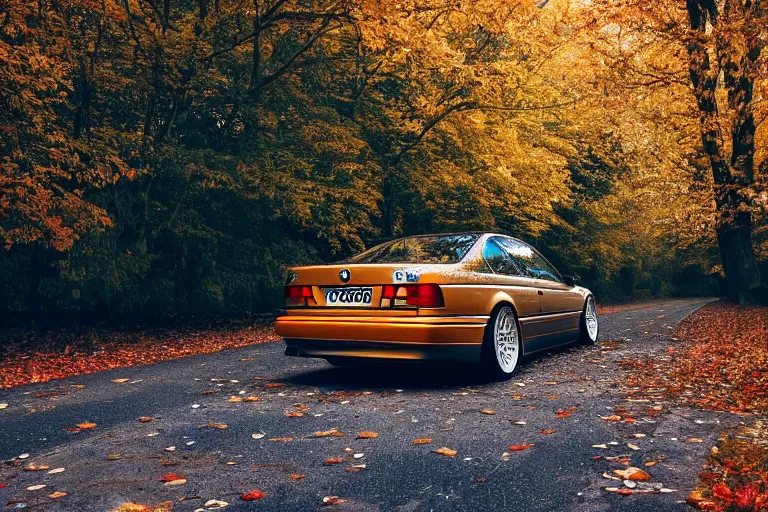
[{"x": 405, "y": 338}]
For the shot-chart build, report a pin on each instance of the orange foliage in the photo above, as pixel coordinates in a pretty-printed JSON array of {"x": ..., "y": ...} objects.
[{"x": 122, "y": 350}]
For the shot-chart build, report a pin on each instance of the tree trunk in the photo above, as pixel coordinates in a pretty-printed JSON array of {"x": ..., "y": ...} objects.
[{"x": 742, "y": 277}]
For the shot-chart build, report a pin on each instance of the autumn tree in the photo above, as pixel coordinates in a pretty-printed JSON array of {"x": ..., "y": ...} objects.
[
  {"x": 726, "y": 46},
  {"x": 162, "y": 156},
  {"x": 715, "y": 48}
]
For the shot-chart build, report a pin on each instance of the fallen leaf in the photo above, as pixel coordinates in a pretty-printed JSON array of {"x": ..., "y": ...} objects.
[
  {"x": 695, "y": 497},
  {"x": 296, "y": 476},
  {"x": 56, "y": 495},
  {"x": 564, "y": 413},
  {"x": 219, "y": 426},
  {"x": 3, "y": 406},
  {"x": 114, "y": 456},
  {"x": 36, "y": 467},
  {"x": 86, "y": 426},
  {"x": 215, "y": 504},
  {"x": 169, "y": 477},
  {"x": 328, "y": 433},
  {"x": 652, "y": 463},
  {"x": 601, "y": 446},
  {"x": 333, "y": 460},
  {"x": 258, "y": 436},
  {"x": 722, "y": 491},
  {"x": 424, "y": 440},
  {"x": 519, "y": 447},
  {"x": 36, "y": 487},
  {"x": 170, "y": 449},
  {"x": 332, "y": 500},
  {"x": 294, "y": 414},
  {"x": 252, "y": 495},
  {"x": 251, "y": 399},
  {"x": 234, "y": 399},
  {"x": 445, "y": 451},
  {"x": 178, "y": 481},
  {"x": 613, "y": 417},
  {"x": 281, "y": 439},
  {"x": 695, "y": 440},
  {"x": 55, "y": 471},
  {"x": 274, "y": 385},
  {"x": 488, "y": 411},
  {"x": 632, "y": 473},
  {"x": 367, "y": 435},
  {"x": 120, "y": 381},
  {"x": 638, "y": 436},
  {"x": 632, "y": 446},
  {"x": 547, "y": 432},
  {"x": 145, "y": 419}
]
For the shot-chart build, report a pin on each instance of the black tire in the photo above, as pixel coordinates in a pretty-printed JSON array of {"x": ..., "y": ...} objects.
[
  {"x": 584, "y": 337},
  {"x": 490, "y": 361}
]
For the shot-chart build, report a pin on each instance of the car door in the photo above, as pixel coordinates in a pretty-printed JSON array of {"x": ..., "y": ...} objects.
[{"x": 560, "y": 306}]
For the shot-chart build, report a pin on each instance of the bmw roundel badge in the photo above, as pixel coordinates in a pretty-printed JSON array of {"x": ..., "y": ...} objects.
[{"x": 345, "y": 275}]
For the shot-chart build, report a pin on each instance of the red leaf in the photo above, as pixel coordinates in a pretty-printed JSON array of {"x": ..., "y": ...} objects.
[
  {"x": 564, "y": 413},
  {"x": 722, "y": 491},
  {"x": 169, "y": 477},
  {"x": 746, "y": 495},
  {"x": 252, "y": 495},
  {"x": 519, "y": 447}
]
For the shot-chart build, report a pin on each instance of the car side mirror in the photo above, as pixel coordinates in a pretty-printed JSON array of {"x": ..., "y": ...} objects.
[{"x": 571, "y": 280}]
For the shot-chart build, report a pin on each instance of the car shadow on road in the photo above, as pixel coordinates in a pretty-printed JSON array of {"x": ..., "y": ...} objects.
[
  {"x": 391, "y": 376},
  {"x": 412, "y": 375}
]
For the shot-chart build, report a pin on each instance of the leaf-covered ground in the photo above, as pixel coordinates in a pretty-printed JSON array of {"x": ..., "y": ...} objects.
[
  {"x": 40, "y": 356},
  {"x": 721, "y": 363}
]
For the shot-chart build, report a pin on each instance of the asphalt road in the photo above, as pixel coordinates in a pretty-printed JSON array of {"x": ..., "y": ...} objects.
[{"x": 122, "y": 459}]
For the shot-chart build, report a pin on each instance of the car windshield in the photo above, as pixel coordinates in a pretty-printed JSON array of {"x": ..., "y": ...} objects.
[{"x": 419, "y": 249}]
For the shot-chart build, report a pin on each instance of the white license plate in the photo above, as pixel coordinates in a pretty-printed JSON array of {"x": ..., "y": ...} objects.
[{"x": 348, "y": 296}]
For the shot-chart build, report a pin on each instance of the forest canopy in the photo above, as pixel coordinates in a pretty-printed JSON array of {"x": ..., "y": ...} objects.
[{"x": 175, "y": 156}]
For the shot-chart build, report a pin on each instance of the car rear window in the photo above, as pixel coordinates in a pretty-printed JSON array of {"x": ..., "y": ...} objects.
[{"x": 419, "y": 249}]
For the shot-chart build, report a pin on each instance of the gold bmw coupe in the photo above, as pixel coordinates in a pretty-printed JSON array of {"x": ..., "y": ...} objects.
[{"x": 476, "y": 297}]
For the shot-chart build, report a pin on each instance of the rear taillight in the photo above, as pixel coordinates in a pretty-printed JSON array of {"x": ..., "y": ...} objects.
[
  {"x": 419, "y": 295},
  {"x": 425, "y": 296},
  {"x": 298, "y": 295},
  {"x": 388, "y": 292}
]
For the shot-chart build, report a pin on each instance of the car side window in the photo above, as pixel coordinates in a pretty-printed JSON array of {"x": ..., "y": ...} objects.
[
  {"x": 498, "y": 258},
  {"x": 542, "y": 269},
  {"x": 521, "y": 254}
]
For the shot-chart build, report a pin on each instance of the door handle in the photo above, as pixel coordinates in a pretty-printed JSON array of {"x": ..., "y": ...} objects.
[{"x": 540, "y": 292}]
